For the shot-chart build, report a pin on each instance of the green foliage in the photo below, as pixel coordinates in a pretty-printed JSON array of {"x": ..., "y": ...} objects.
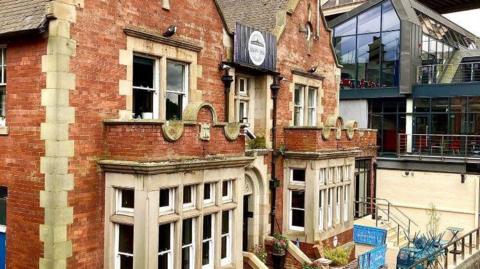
[
  {"x": 260, "y": 252},
  {"x": 280, "y": 244},
  {"x": 309, "y": 266},
  {"x": 339, "y": 256},
  {"x": 257, "y": 143},
  {"x": 433, "y": 220}
]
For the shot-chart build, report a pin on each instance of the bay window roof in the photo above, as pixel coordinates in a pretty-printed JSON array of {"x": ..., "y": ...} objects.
[{"x": 18, "y": 16}]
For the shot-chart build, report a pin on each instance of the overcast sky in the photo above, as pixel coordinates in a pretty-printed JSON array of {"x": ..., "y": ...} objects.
[{"x": 469, "y": 20}]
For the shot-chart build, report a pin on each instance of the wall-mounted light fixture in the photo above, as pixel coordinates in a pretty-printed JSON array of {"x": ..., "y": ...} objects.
[{"x": 171, "y": 30}]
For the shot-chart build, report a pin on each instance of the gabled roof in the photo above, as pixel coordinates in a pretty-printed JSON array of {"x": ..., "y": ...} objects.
[
  {"x": 259, "y": 14},
  {"x": 22, "y": 15}
]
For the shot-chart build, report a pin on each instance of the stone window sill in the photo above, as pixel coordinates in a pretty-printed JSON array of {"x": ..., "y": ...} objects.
[{"x": 3, "y": 130}]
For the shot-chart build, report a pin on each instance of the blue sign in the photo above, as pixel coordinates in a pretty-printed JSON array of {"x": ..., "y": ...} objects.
[
  {"x": 374, "y": 259},
  {"x": 369, "y": 235}
]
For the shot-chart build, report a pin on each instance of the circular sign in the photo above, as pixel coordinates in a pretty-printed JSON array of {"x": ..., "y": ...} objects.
[{"x": 257, "y": 48}]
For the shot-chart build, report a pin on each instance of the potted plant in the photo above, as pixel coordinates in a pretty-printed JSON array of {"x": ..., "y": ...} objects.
[{"x": 279, "y": 249}]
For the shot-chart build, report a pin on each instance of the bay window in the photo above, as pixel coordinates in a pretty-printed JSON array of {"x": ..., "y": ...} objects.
[
  {"x": 321, "y": 207},
  {"x": 167, "y": 201},
  {"x": 337, "y": 204},
  {"x": 125, "y": 201},
  {"x": 297, "y": 210},
  {"x": 3, "y": 83},
  {"x": 124, "y": 246},
  {"x": 188, "y": 244},
  {"x": 189, "y": 194},
  {"x": 207, "y": 242},
  {"x": 165, "y": 246},
  {"x": 177, "y": 89},
  {"x": 226, "y": 238},
  {"x": 330, "y": 208}
]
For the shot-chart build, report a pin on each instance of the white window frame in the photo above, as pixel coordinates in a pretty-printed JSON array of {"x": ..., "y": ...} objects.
[
  {"x": 119, "y": 209},
  {"x": 156, "y": 84},
  {"x": 185, "y": 83},
  {"x": 321, "y": 207},
  {"x": 3, "y": 83},
  {"x": 242, "y": 97},
  {"x": 312, "y": 109},
  {"x": 170, "y": 251},
  {"x": 323, "y": 174},
  {"x": 211, "y": 201},
  {"x": 229, "y": 196},
  {"x": 191, "y": 246},
  {"x": 338, "y": 195},
  {"x": 211, "y": 243},
  {"x": 246, "y": 81},
  {"x": 118, "y": 254},
  {"x": 330, "y": 208},
  {"x": 331, "y": 175},
  {"x": 192, "y": 204},
  {"x": 299, "y": 107},
  {"x": 346, "y": 205},
  {"x": 171, "y": 205},
  {"x": 339, "y": 173},
  {"x": 296, "y": 181},
  {"x": 228, "y": 259},
  {"x": 244, "y": 111},
  {"x": 291, "y": 209}
]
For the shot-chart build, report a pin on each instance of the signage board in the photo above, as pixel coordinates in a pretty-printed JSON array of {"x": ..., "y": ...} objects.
[
  {"x": 369, "y": 235},
  {"x": 254, "y": 48},
  {"x": 374, "y": 259}
]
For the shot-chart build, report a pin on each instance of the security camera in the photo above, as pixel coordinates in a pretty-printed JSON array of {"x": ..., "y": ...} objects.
[
  {"x": 224, "y": 67},
  {"x": 249, "y": 134}
]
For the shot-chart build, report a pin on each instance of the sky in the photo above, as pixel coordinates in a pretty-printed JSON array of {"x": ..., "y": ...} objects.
[{"x": 467, "y": 19}]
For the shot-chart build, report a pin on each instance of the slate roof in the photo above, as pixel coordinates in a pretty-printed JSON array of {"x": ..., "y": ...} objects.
[
  {"x": 260, "y": 14},
  {"x": 22, "y": 15}
]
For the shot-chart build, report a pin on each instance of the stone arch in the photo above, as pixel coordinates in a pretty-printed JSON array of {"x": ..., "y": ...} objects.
[{"x": 193, "y": 109}]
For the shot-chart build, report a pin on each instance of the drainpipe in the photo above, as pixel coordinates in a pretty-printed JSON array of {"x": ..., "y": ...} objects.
[
  {"x": 275, "y": 88},
  {"x": 227, "y": 80}
]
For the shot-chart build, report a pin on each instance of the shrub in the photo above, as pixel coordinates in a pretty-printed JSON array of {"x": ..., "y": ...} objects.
[
  {"x": 257, "y": 143},
  {"x": 260, "y": 252},
  {"x": 280, "y": 244},
  {"x": 339, "y": 256}
]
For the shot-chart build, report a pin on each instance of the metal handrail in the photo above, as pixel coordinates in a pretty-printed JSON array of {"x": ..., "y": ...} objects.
[{"x": 448, "y": 73}]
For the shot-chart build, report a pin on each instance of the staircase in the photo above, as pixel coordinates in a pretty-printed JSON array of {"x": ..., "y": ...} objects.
[{"x": 387, "y": 216}]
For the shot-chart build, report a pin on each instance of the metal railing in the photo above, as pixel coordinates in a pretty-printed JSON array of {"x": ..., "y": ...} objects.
[
  {"x": 382, "y": 209},
  {"x": 457, "y": 247},
  {"x": 448, "y": 73},
  {"x": 438, "y": 145}
]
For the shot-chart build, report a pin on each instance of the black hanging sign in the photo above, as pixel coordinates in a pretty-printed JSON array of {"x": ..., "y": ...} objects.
[{"x": 254, "y": 48}]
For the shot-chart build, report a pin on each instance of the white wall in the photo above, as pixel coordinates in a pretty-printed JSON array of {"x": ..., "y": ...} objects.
[
  {"x": 456, "y": 202},
  {"x": 355, "y": 110}
]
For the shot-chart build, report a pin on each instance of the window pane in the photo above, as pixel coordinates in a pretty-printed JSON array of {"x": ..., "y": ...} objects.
[
  {"x": 390, "y": 20},
  {"x": 391, "y": 58},
  {"x": 298, "y": 199},
  {"x": 164, "y": 237},
  {"x": 225, "y": 222},
  {"x": 298, "y": 218},
  {"x": 345, "y": 48},
  {"x": 126, "y": 262},
  {"x": 176, "y": 77},
  {"x": 174, "y": 106},
  {"x": 143, "y": 70},
  {"x": 125, "y": 239},
  {"x": 422, "y": 105},
  {"x": 163, "y": 261},
  {"x": 299, "y": 95},
  {"x": 206, "y": 253},
  {"x": 298, "y": 175},
  {"x": 224, "y": 248},
  {"x": 2, "y": 102},
  {"x": 207, "y": 227},
  {"x": 369, "y": 61},
  {"x": 128, "y": 198},
  {"x": 207, "y": 192},
  {"x": 185, "y": 258},
  {"x": 187, "y": 233},
  {"x": 187, "y": 194},
  {"x": 346, "y": 28},
  {"x": 440, "y": 105},
  {"x": 369, "y": 21},
  {"x": 142, "y": 102},
  {"x": 312, "y": 97},
  {"x": 164, "y": 198}
]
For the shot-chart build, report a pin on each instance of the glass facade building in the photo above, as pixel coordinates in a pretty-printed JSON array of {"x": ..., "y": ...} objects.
[{"x": 368, "y": 47}]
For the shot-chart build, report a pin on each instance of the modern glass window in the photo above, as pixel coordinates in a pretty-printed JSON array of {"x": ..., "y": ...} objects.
[
  {"x": 208, "y": 193},
  {"x": 298, "y": 105},
  {"x": 297, "y": 175},
  {"x": 389, "y": 118},
  {"x": 165, "y": 246},
  {"x": 227, "y": 191},
  {"x": 226, "y": 238},
  {"x": 312, "y": 106},
  {"x": 145, "y": 87},
  {"x": 124, "y": 247},
  {"x": 177, "y": 89},
  {"x": 297, "y": 210},
  {"x": 188, "y": 244},
  {"x": 321, "y": 208},
  {"x": 330, "y": 207},
  {"x": 167, "y": 200},
  {"x": 3, "y": 83},
  {"x": 207, "y": 242},
  {"x": 189, "y": 196},
  {"x": 363, "y": 182},
  {"x": 369, "y": 49},
  {"x": 125, "y": 201}
]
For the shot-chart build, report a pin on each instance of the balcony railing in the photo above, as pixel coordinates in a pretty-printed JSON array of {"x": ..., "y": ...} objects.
[
  {"x": 439, "y": 146},
  {"x": 447, "y": 73}
]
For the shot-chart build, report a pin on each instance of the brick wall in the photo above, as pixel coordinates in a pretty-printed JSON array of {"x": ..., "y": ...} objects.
[{"x": 21, "y": 150}]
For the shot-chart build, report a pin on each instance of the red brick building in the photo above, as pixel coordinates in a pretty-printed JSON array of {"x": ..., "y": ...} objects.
[{"x": 124, "y": 125}]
